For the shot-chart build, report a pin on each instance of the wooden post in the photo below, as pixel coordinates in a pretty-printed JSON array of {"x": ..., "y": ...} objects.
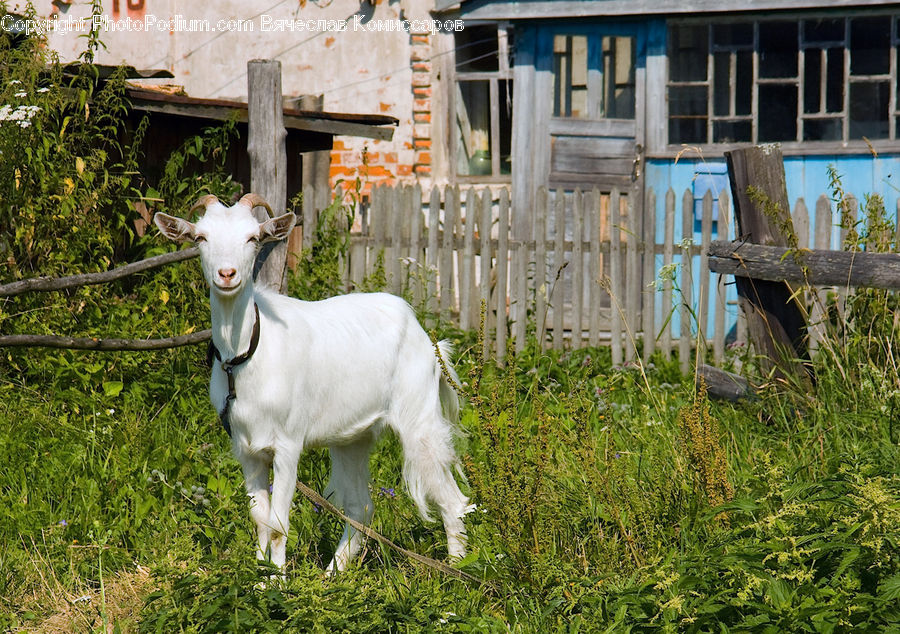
[
  {"x": 268, "y": 159},
  {"x": 776, "y": 321},
  {"x": 314, "y": 179}
]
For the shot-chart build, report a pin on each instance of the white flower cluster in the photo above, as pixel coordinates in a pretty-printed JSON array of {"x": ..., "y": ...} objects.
[{"x": 21, "y": 115}]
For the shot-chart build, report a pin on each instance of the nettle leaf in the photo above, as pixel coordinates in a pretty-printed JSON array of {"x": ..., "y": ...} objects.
[
  {"x": 112, "y": 388},
  {"x": 889, "y": 590}
]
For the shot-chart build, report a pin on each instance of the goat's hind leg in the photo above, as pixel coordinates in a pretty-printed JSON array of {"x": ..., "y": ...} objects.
[
  {"x": 349, "y": 487},
  {"x": 429, "y": 461}
]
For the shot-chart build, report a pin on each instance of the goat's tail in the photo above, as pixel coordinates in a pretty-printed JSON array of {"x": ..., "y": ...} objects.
[
  {"x": 429, "y": 456},
  {"x": 448, "y": 383}
]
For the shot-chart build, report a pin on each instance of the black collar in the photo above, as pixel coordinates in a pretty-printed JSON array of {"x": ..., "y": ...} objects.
[{"x": 229, "y": 366}]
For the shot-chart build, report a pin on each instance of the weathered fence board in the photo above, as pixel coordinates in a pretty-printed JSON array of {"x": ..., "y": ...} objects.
[{"x": 584, "y": 275}]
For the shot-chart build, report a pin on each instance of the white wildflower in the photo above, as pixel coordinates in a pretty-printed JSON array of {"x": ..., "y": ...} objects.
[
  {"x": 666, "y": 274},
  {"x": 21, "y": 94},
  {"x": 14, "y": 81},
  {"x": 22, "y": 115},
  {"x": 43, "y": 90}
]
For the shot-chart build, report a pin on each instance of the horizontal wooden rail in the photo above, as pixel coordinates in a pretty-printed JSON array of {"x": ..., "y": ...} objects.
[
  {"x": 816, "y": 267},
  {"x": 458, "y": 244},
  {"x": 91, "y": 343},
  {"x": 86, "y": 279}
]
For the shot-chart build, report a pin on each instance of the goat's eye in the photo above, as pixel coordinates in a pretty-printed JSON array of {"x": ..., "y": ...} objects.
[
  {"x": 200, "y": 239},
  {"x": 253, "y": 239}
]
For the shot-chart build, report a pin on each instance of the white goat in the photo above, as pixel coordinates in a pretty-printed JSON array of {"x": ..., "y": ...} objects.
[{"x": 331, "y": 373}]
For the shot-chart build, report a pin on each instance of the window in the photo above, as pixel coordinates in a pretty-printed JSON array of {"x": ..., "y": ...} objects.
[
  {"x": 593, "y": 79},
  {"x": 482, "y": 102},
  {"x": 797, "y": 80}
]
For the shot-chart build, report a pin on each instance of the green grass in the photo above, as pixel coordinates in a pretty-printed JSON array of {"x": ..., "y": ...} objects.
[{"x": 593, "y": 509}]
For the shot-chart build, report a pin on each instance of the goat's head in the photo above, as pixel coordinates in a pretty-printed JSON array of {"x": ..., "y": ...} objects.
[{"x": 228, "y": 237}]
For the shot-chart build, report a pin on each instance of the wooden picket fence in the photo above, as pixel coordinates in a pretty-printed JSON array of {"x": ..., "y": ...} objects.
[{"x": 589, "y": 272}]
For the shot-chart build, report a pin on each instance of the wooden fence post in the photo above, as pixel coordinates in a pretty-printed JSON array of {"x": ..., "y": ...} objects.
[
  {"x": 776, "y": 321},
  {"x": 268, "y": 160}
]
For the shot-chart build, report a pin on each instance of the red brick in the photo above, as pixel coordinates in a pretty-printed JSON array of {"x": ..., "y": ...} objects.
[
  {"x": 422, "y": 117},
  {"x": 384, "y": 107},
  {"x": 422, "y": 144},
  {"x": 338, "y": 145},
  {"x": 423, "y": 158},
  {"x": 422, "y": 92},
  {"x": 374, "y": 171},
  {"x": 339, "y": 170},
  {"x": 421, "y": 79},
  {"x": 390, "y": 157},
  {"x": 423, "y": 170},
  {"x": 421, "y": 105},
  {"x": 421, "y": 67},
  {"x": 419, "y": 38},
  {"x": 404, "y": 170}
]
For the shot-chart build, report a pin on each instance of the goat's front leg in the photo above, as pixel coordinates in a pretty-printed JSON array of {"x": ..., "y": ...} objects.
[
  {"x": 283, "y": 486},
  {"x": 256, "y": 483}
]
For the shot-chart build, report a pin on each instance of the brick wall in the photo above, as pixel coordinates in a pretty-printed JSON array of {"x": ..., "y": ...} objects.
[{"x": 408, "y": 156}]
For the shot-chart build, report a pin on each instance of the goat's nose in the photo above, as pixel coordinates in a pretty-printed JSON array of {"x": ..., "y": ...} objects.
[{"x": 227, "y": 274}]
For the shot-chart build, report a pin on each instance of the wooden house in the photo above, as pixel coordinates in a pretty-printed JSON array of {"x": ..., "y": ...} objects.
[{"x": 642, "y": 94}]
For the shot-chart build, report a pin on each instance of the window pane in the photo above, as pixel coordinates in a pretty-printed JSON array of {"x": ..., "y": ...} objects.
[
  {"x": 687, "y": 114},
  {"x": 473, "y": 128},
  {"x": 869, "y": 109},
  {"x": 822, "y": 130},
  {"x": 740, "y": 34},
  {"x": 618, "y": 78},
  {"x": 834, "y": 95},
  {"x": 831, "y": 30},
  {"x": 777, "y": 112},
  {"x": 732, "y": 131},
  {"x": 777, "y": 49},
  {"x": 570, "y": 76},
  {"x": 744, "y": 83},
  {"x": 870, "y": 41},
  {"x": 476, "y": 49},
  {"x": 812, "y": 80},
  {"x": 505, "y": 108},
  {"x": 688, "y": 50},
  {"x": 722, "y": 84}
]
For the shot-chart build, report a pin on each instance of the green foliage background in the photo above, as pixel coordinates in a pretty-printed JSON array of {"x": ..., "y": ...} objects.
[{"x": 608, "y": 499}]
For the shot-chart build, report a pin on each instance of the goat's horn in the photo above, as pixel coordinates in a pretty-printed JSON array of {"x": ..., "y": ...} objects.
[
  {"x": 203, "y": 201},
  {"x": 252, "y": 200}
]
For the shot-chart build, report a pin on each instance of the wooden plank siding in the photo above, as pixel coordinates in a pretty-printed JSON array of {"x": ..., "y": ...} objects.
[{"x": 585, "y": 275}]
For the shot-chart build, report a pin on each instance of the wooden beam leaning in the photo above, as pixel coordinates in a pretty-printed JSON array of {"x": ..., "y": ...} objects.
[
  {"x": 776, "y": 321},
  {"x": 815, "y": 267}
]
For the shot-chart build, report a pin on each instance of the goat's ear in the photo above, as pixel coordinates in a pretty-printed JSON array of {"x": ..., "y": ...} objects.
[
  {"x": 277, "y": 228},
  {"x": 177, "y": 229}
]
